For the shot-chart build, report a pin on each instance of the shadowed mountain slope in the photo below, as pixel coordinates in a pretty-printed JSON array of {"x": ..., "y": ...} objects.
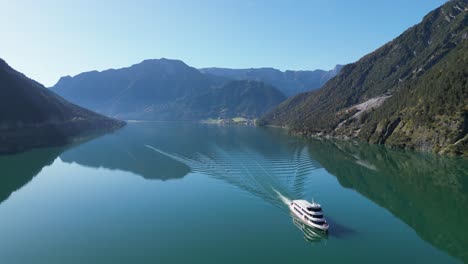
[{"x": 33, "y": 116}]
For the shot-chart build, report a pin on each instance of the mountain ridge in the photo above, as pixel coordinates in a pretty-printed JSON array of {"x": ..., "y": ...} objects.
[
  {"x": 164, "y": 89},
  {"x": 400, "y": 73},
  {"x": 289, "y": 82}
]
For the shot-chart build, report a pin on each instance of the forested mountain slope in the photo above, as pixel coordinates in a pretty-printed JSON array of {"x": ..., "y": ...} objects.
[{"x": 411, "y": 93}]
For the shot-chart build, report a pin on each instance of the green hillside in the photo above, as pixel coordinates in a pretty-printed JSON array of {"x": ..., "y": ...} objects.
[{"x": 411, "y": 92}]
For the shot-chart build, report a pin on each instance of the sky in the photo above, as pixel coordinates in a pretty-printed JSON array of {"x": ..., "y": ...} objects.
[{"x": 48, "y": 39}]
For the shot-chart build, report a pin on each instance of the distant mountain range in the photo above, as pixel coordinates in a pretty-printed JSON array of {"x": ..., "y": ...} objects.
[
  {"x": 33, "y": 116},
  {"x": 166, "y": 89},
  {"x": 411, "y": 93},
  {"x": 288, "y": 82}
]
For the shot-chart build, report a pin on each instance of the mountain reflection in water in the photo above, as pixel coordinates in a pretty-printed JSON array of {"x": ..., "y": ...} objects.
[
  {"x": 241, "y": 156},
  {"x": 310, "y": 234},
  {"x": 19, "y": 169},
  {"x": 428, "y": 192}
]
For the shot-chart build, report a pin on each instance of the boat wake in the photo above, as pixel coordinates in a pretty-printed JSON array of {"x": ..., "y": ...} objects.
[
  {"x": 283, "y": 198},
  {"x": 273, "y": 179}
]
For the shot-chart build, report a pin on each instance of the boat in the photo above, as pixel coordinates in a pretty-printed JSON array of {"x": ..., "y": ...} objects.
[{"x": 310, "y": 214}]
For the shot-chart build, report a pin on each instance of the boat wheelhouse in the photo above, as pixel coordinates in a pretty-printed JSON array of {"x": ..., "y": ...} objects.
[{"x": 309, "y": 213}]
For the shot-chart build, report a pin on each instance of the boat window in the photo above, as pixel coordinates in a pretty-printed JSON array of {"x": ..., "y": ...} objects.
[
  {"x": 317, "y": 216},
  {"x": 317, "y": 222},
  {"x": 297, "y": 210},
  {"x": 314, "y": 209}
]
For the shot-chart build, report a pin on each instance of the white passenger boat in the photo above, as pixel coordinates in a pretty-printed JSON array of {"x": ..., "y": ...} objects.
[{"x": 309, "y": 213}]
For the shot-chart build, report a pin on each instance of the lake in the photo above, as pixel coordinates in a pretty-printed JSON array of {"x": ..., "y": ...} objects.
[{"x": 195, "y": 193}]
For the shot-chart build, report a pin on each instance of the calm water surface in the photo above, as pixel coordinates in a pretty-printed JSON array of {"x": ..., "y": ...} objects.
[{"x": 192, "y": 193}]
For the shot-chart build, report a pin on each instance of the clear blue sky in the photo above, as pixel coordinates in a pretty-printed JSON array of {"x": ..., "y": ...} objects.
[{"x": 48, "y": 39}]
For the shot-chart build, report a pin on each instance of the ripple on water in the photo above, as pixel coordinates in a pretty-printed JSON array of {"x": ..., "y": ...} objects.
[{"x": 272, "y": 179}]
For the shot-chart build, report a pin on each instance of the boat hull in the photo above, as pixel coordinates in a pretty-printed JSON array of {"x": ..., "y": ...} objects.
[{"x": 323, "y": 228}]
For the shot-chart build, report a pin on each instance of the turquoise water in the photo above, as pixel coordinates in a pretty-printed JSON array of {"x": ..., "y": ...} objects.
[{"x": 192, "y": 193}]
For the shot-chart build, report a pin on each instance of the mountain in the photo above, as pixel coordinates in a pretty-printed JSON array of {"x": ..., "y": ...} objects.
[
  {"x": 410, "y": 93},
  {"x": 167, "y": 90},
  {"x": 288, "y": 82},
  {"x": 124, "y": 92},
  {"x": 249, "y": 99},
  {"x": 33, "y": 116}
]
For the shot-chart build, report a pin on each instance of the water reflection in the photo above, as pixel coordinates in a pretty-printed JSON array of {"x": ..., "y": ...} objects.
[
  {"x": 124, "y": 152},
  {"x": 267, "y": 164},
  {"x": 256, "y": 161},
  {"x": 339, "y": 230},
  {"x": 19, "y": 169},
  {"x": 310, "y": 234},
  {"x": 428, "y": 192}
]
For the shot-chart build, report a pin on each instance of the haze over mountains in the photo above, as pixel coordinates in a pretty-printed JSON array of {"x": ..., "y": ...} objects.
[
  {"x": 166, "y": 89},
  {"x": 288, "y": 82},
  {"x": 411, "y": 93},
  {"x": 33, "y": 116}
]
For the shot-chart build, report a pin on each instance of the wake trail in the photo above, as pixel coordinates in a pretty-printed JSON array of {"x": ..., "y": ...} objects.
[{"x": 283, "y": 198}]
